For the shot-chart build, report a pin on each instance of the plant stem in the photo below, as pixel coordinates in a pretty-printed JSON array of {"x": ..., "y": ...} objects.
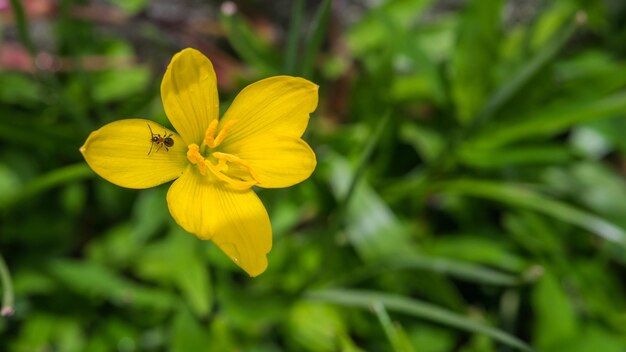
[{"x": 7, "y": 289}]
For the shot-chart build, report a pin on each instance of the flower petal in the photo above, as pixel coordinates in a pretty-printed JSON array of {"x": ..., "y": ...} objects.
[
  {"x": 189, "y": 94},
  {"x": 122, "y": 153},
  {"x": 277, "y": 161},
  {"x": 280, "y": 105},
  {"x": 235, "y": 221}
]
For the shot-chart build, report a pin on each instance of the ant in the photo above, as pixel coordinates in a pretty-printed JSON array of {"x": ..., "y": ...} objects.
[{"x": 165, "y": 141}]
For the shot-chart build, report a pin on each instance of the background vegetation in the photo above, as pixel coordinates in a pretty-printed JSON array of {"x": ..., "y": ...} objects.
[{"x": 469, "y": 195}]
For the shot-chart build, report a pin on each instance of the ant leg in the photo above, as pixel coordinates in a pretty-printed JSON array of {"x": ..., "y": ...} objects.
[{"x": 151, "y": 145}]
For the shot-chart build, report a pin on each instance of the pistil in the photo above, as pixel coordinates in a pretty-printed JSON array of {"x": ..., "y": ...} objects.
[{"x": 239, "y": 174}]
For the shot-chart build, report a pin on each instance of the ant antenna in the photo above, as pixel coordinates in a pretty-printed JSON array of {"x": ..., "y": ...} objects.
[{"x": 151, "y": 135}]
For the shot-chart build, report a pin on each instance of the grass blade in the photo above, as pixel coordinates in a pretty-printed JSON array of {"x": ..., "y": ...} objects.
[
  {"x": 518, "y": 195},
  {"x": 478, "y": 36},
  {"x": 394, "y": 333},
  {"x": 52, "y": 179},
  {"x": 551, "y": 121},
  {"x": 365, "y": 157},
  {"x": 22, "y": 27},
  {"x": 511, "y": 86},
  {"x": 48, "y": 82},
  {"x": 459, "y": 269},
  {"x": 252, "y": 48},
  {"x": 291, "y": 53},
  {"x": 366, "y": 220},
  {"x": 400, "y": 304},
  {"x": 318, "y": 31}
]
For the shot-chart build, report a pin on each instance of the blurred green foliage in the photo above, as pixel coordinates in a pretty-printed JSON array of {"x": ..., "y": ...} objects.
[{"x": 470, "y": 192}]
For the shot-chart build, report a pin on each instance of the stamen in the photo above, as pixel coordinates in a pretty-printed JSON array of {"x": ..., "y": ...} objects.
[
  {"x": 210, "y": 133},
  {"x": 194, "y": 156},
  {"x": 229, "y": 180},
  {"x": 223, "y": 132},
  {"x": 238, "y": 161},
  {"x": 237, "y": 178},
  {"x": 213, "y": 141}
]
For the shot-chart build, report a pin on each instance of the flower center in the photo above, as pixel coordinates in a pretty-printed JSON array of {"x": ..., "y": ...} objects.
[{"x": 225, "y": 167}]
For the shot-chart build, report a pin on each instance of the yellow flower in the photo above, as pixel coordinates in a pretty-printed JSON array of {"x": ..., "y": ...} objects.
[{"x": 215, "y": 161}]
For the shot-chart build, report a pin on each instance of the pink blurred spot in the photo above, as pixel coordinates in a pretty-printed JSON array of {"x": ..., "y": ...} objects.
[
  {"x": 7, "y": 311},
  {"x": 229, "y": 8},
  {"x": 15, "y": 58}
]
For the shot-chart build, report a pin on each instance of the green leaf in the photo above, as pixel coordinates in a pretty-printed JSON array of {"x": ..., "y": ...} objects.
[
  {"x": 545, "y": 240},
  {"x": 115, "y": 248},
  {"x": 44, "y": 182},
  {"x": 32, "y": 282},
  {"x": 591, "y": 73},
  {"x": 597, "y": 286},
  {"x": 550, "y": 21},
  {"x": 150, "y": 213},
  {"x": 555, "y": 320},
  {"x": 42, "y": 331},
  {"x": 177, "y": 260},
  {"x": 10, "y": 184},
  {"x": 19, "y": 89},
  {"x": 427, "y": 143},
  {"x": 96, "y": 281},
  {"x": 315, "y": 327},
  {"x": 109, "y": 87},
  {"x": 187, "y": 333},
  {"x": 365, "y": 299},
  {"x": 594, "y": 337},
  {"x": 370, "y": 225},
  {"x": 372, "y": 31},
  {"x": 427, "y": 337}
]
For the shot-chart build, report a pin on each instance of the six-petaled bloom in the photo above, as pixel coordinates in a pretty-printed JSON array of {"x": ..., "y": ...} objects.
[{"x": 215, "y": 161}]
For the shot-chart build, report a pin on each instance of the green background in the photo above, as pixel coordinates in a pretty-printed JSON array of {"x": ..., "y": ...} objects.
[{"x": 469, "y": 193}]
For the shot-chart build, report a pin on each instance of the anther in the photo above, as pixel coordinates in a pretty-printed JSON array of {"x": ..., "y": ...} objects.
[
  {"x": 213, "y": 141},
  {"x": 223, "y": 132},
  {"x": 194, "y": 156},
  {"x": 209, "y": 139}
]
